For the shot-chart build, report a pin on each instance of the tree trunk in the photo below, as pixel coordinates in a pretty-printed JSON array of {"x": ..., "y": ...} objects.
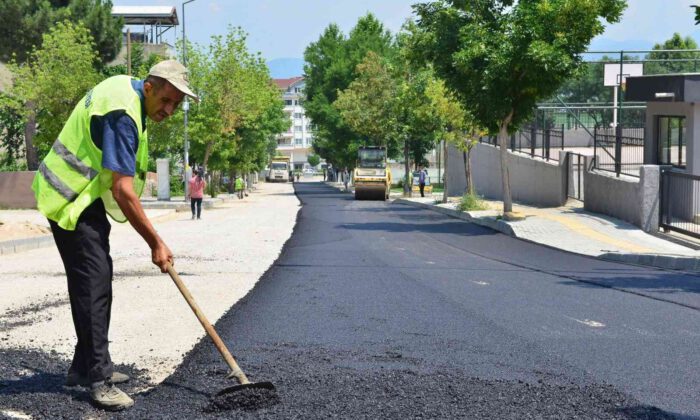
[
  {"x": 444, "y": 184},
  {"x": 207, "y": 154},
  {"x": 505, "y": 177},
  {"x": 468, "y": 170},
  {"x": 439, "y": 163},
  {"x": 406, "y": 180},
  {"x": 29, "y": 133}
]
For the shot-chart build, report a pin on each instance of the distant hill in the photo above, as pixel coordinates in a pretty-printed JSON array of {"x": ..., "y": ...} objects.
[{"x": 284, "y": 68}]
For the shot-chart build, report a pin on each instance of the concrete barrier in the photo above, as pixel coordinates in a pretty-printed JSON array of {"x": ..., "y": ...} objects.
[
  {"x": 532, "y": 181},
  {"x": 635, "y": 200}
]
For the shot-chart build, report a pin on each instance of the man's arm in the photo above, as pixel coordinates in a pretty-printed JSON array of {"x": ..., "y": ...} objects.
[{"x": 129, "y": 203}]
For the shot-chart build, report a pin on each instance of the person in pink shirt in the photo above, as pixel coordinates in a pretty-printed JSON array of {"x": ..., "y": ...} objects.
[{"x": 197, "y": 185}]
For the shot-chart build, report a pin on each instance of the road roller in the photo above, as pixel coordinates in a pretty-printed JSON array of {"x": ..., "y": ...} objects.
[{"x": 372, "y": 176}]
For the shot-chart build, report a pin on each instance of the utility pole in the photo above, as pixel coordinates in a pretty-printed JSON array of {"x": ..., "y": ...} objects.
[{"x": 185, "y": 106}]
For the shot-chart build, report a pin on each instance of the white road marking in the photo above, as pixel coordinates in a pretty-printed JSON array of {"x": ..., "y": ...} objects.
[
  {"x": 15, "y": 414},
  {"x": 401, "y": 249},
  {"x": 430, "y": 262},
  {"x": 589, "y": 322},
  {"x": 479, "y": 282}
]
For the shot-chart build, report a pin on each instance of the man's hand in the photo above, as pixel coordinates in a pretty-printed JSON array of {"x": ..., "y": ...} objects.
[
  {"x": 162, "y": 256},
  {"x": 129, "y": 203}
]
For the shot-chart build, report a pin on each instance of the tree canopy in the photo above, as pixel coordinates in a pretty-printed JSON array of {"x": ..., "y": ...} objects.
[
  {"x": 501, "y": 57},
  {"x": 67, "y": 49},
  {"x": 23, "y": 23},
  {"x": 331, "y": 65}
]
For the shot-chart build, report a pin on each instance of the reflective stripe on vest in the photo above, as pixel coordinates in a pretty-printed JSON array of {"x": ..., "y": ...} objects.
[
  {"x": 73, "y": 161},
  {"x": 57, "y": 184}
]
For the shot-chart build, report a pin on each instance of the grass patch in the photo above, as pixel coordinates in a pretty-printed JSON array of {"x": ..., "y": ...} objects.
[{"x": 472, "y": 202}]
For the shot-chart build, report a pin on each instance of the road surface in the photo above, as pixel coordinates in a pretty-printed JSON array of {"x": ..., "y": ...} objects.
[{"x": 379, "y": 310}]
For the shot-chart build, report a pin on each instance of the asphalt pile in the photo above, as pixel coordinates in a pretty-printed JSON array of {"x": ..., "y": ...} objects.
[{"x": 250, "y": 399}]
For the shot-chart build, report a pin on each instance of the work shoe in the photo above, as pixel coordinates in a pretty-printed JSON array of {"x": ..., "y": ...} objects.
[
  {"x": 106, "y": 395},
  {"x": 74, "y": 379}
]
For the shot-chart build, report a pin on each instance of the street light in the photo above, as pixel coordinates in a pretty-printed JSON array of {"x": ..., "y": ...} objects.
[{"x": 185, "y": 104}]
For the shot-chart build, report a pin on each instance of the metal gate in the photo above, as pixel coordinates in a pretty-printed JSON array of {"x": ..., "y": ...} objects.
[
  {"x": 575, "y": 167},
  {"x": 680, "y": 202}
]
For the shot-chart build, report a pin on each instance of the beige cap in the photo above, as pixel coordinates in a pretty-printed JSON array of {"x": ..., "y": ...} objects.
[{"x": 176, "y": 74}]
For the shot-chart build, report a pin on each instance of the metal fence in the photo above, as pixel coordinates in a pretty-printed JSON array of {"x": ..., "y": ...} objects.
[
  {"x": 680, "y": 202},
  {"x": 619, "y": 150},
  {"x": 535, "y": 141}
]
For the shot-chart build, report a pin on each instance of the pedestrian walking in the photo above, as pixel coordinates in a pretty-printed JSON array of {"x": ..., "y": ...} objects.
[
  {"x": 422, "y": 175},
  {"x": 239, "y": 187},
  {"x": 346, "y": 178},
  {"x": 197, "y": 186},
  {"x": 97, "y": 166}
]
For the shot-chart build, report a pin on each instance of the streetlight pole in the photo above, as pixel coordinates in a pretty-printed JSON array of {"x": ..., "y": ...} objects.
[{"x": 185, "y": 104}]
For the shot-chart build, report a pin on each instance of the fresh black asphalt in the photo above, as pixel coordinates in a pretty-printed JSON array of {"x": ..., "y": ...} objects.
[{"x": 379, "y": 310}]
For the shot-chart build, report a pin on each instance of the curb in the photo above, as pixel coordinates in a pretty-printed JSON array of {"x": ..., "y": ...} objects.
[
  {"x": 664, "y": 261},
  {"x": 25, "y": 244},
  {"x": 488, "y": 221}
]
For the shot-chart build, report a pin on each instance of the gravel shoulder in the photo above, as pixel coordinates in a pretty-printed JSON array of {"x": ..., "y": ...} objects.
[{"x": 220, "y": 258}]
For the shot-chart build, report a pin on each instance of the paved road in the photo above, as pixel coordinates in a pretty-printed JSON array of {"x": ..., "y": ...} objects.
[{"x": 378, "y": 310}]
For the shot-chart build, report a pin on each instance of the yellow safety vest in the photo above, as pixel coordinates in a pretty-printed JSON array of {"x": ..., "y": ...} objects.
[{"x": 71, "y": 176}]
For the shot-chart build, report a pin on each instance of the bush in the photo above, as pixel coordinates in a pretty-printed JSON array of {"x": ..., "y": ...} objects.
[
  {"x": 472, "y": 202},
  {"x": 177, "y": 186}
]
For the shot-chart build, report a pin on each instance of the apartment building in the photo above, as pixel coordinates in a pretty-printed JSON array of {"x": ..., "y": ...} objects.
[{"x": 298, "y": 140}]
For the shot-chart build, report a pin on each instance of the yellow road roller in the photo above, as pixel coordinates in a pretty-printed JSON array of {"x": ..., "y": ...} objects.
[{"x": 372, "y": 176}]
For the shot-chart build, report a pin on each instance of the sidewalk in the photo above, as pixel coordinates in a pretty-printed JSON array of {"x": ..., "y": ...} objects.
[
  {"x": 569, "y": 228},
  {"x": 220, "y": 258},
  {"x": 22, "y": 230},
  {"x": 573, "y": 229}
]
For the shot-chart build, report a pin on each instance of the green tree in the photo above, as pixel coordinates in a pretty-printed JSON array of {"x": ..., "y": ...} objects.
[
  {"x": 233, "y": 128},
  {"x": 501, "y": 57},
  {"x": 314, "y": 160},
  {"x": 331, "y": 65},
  {"x": 368, "y": 105},
  {"x": 673, "y": 62},
  {"x": 24, "y": 22},
  {"x": 12, "y": 132},
  {"x": 67, "y": 49},
  {"x": 454, "y": 127}
]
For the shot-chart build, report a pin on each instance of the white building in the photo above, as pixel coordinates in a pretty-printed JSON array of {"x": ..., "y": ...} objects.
[{"x": 297, "y": 141}]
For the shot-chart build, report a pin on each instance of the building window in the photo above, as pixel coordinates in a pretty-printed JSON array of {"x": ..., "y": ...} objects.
[
  {"x": 297, "y": 90},
  {"x": 298, "y": 141},
  {"x": 289, "y": 102},
  {"x": 671, "y": 141},
  {"x": 298, "y": 115},
  {"x": 297, "y": 128}
]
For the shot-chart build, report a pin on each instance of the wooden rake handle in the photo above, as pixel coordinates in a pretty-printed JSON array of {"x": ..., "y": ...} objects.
[{"x": 235, "y": 369}]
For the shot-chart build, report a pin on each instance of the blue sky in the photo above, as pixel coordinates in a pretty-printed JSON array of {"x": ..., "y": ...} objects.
[{"x": 281, "y": 29}]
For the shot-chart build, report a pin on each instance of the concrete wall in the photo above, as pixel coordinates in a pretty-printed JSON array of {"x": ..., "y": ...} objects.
[
  {"x": 532, "y": 181},
  {"x": 16, "y": 190},
  {"x": 635, "y": 200}
]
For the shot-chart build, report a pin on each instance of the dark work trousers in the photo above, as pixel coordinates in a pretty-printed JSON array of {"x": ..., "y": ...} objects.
[
  {"x": 198, "y": 203},
  {"x": 422, "y": 187},
  {"x": 85, "y": 255}
]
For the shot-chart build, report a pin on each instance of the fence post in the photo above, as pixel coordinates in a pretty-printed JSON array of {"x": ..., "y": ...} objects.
[
  {"x": 665, "y": 202},
  {"x": 533, "y": 138},
  {"x": 618, "y": 149},
  {"x": 562, "y": 137},
  {"x": 595, "y": 146},
  {"x": 512, "y": 142},
  {"x": 546, "y": 142}
]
